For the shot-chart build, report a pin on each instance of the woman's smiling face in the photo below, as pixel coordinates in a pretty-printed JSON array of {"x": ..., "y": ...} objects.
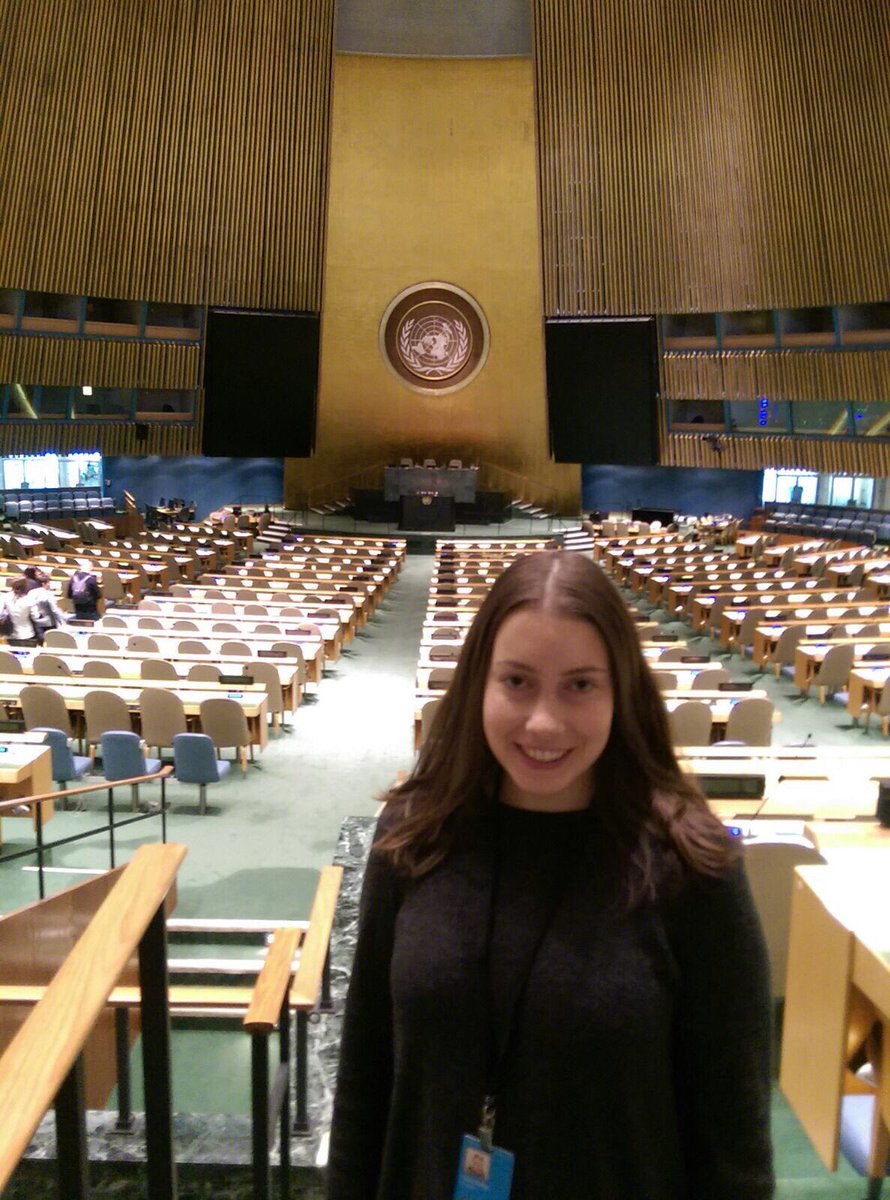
[{"x": 547, "y": 709}]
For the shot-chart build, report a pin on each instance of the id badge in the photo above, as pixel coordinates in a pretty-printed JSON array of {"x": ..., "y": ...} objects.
[{"x": 482, "y": 1173}]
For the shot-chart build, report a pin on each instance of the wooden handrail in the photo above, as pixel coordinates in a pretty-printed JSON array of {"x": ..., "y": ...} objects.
[
  {"x": 38, "y": 1059},
  {"x": 307, "y": 982},
  {"x": 272, "y": 982},
  {"x": 80, "y": 791}
]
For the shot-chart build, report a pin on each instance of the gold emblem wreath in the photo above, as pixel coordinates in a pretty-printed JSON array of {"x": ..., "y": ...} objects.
[{"x": 453, "y": 363}]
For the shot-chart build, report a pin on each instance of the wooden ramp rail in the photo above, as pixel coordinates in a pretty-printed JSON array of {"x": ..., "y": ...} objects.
[
  {"x": 43, "y": 804},
  {"x": 294, "y": 976},
  {"x": 42, "y": 1064}
]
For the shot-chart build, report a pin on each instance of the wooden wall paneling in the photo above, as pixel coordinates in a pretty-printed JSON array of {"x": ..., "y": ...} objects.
[
  {"x": 765, "y": 121},
  {"x": 164, "y": 144}
]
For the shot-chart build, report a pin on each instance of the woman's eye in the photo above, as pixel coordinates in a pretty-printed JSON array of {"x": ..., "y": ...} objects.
[
  {"x": 583, "y": 685},
  {"x": 513, "y": 682}
]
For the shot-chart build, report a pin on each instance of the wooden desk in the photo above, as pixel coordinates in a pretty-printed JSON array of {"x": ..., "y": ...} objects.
[
  {"x": 26, "y": 770},
  {"x": 838, "y": 978},
  {"x": 831, "y": 783},
  {"x": 251, "y": 698}
]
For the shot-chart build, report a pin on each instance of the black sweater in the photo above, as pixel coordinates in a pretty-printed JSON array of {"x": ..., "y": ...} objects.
[{"x": 639, "y": 1064}]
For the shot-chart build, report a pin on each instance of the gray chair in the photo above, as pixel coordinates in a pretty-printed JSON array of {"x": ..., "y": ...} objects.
[
  {"x": 98, "y": 668},
  {"x": 43, "y": 707},
  {"x": 205, "y": 672},
  {"x": 9, "y": 664},
  {"x": 710, "y": 679},
  {"x": 751, "y": 721},
  {"x": 50, "y": 664},
  {"x": 142, "y": 644},
  {"x": 103, "y": 711},
  {"x": 833, "y": 673},
  {"x": 690, "y": 723},
  {"x": 162, "y": 717},
  {"x": 224, "y": 722},
  {"x": 157, "y": 668},
  {"x": 770, "y": 865},
  {"x": 59, "y": 639}
]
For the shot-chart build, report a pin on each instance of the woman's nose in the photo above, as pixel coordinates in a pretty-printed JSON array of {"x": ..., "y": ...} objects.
[{"x": 544, "y": 715}]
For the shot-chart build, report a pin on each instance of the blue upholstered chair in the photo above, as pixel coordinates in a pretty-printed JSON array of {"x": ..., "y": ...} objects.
[
  {"x": 195, "y": 761},
  {"x": 123, "y": 758},
  {"x": 67, "y": 767}
]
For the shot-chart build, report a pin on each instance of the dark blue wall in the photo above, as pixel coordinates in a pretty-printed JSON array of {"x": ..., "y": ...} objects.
[
  {"x": 689, "y": 490},
  {"x": 210, "y": 482}
]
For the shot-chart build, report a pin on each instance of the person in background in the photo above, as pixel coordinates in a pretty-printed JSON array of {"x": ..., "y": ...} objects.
[
  {"x": 559, "y": 964},
  {"x": 84, "y": 593},
  {"x": 30, "y": 612},
  {"x": 36, "y": 578}
]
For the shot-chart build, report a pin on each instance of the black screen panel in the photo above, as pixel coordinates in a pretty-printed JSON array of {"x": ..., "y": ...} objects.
[
  {"x": 602, "y": 390},
  {"x": 260, "y": 384}
]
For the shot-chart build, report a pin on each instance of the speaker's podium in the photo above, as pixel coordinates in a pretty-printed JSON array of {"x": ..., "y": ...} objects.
[{"x": 426, "y": 511}]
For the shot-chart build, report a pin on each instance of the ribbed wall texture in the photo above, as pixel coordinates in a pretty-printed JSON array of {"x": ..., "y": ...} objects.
[
  {"x": 701, "y": 157},
  {"x": 173, "y": 150},
  {"x": 72, "y": 361},
  {"x": 833, "y": 455},
  {"x": 799, "y": 375}
]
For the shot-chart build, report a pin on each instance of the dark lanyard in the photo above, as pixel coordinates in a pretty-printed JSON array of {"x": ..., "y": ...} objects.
[{"x": 500, "y": 1038}]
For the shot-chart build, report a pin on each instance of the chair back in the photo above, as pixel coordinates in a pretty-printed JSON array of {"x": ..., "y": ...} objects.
[
  {"x": 50, "y": 664},
  {"x": 148, "y": 606},
  {"x": 224, "y": 722},
  {"x": 9, "y": 664},
  {"x": 194, "y": 759},
  {"x": 184, "y": 625},
  {"x": 751, "y": 721},
  {"x": 162, "y": 716},
  {"x": 224, "y": 627},
  {"x": 64, "y": 768},
  {"x": 690, "y": 723},
  {"x": 60, "y": 639},
  {"x": 236, "y": 649},
  {"x": 142, "y": 644},
  {"x": 157, "y": 668},
  {"x": 440, "y": 679},
  {"x": 665, "y": 681},
  {"x": 674, "y": 653},
  {"x": 427, "y": 717},
  {"x": 112, "y": 585},
  {"x": 43, "y": 706},
  {"x": 193, "y": 646},
  {"x": 114, "y": 622},
  {"x": 149, "y": 623},
  {"x": 267, "y": 673},
  {"x": 834, "y": 670},
  {"x": 223, "y": 607},
  {"x": 710, "y": 678},
  {"x": 205, "y": 672},
  {"x": 122, "y": 756},
  {"x": 770, "y": 869},
  {"x": 100, "y": 669},
  {"x": 101, "y": 641},
  {"x": 104, "y": 711}
]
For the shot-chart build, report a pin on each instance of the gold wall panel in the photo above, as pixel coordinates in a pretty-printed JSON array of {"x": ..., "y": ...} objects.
[
  {"x": 858, "y": 456},
  {"x": 98, "y": 361},
  {"x": 798, "y": 375},
  {"x": 171, "y": 150},
  {"x": 432, "y": 178},
  {"x": 702, "y": 157}
]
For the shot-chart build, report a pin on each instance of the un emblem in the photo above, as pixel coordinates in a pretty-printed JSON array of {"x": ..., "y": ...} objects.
[{"x": 434, "y": 337}]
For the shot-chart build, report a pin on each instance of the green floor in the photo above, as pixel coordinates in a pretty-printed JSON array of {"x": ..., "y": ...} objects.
[{"x": 258, "y": 850}]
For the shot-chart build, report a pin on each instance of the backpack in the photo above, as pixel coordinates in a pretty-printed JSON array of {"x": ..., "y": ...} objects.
[{"x": 82, "y": 589}]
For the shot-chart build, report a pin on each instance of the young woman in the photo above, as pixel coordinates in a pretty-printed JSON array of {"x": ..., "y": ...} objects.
[
  {"x": 27, "y": 607},
  {"x": 555, "y": 930}
]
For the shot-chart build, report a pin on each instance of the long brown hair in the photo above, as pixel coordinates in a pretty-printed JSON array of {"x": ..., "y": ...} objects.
[{"x": 643, "y": 800}]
